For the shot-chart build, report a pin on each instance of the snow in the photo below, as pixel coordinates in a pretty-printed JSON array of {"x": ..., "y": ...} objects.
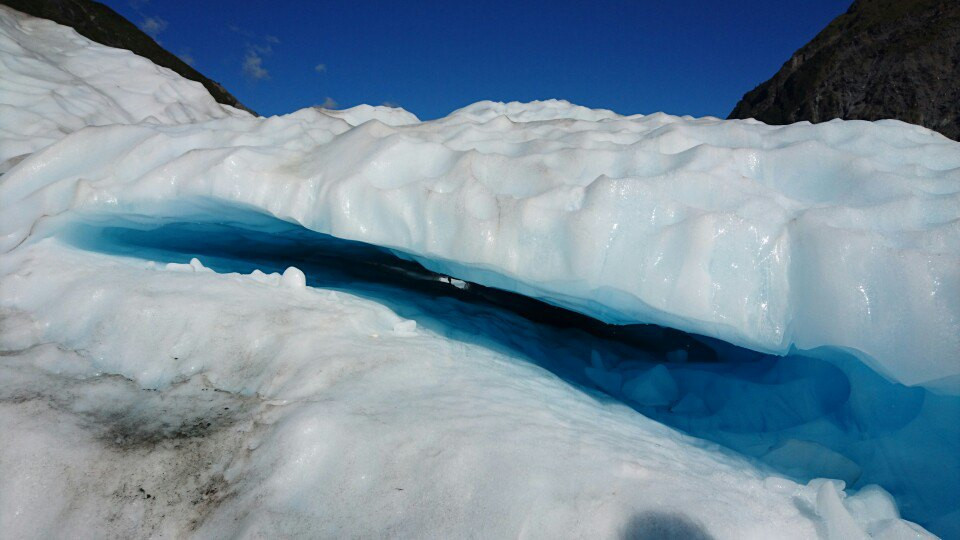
[
  {"x": 841, "y": 238},
  {"x": 245, "y": 408},
  {"x": 182, "y": 352},
  {"x": 56, "y": 82},
  {"x": 294, "y": 278},
  {"x": 391, "y": 116}
]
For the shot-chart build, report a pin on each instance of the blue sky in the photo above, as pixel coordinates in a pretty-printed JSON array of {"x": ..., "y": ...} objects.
[{"x": 693, "y": 57}]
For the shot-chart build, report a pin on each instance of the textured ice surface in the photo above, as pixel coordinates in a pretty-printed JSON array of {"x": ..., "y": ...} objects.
[
  {"x": 149, "y": 400},
  {"x": 805, "y": 417},
  {"x": 842, "y": 235},
  {"x": 55, "y": 81},
  {"x": 157, "y": 383},
  {"x": 391, "y": 116}
]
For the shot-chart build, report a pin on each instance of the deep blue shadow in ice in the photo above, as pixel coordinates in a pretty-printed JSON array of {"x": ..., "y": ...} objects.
[{"x": 804, "y": 417}]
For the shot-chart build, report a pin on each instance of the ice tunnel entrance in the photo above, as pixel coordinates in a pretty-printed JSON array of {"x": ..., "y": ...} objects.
[{"x": 801, "y": 416}]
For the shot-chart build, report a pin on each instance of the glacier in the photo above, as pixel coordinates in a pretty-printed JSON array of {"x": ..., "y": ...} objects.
[
  {"x": 169, "y": 399},
  {"x": 330, "y": 322},
  {"x": 836, "y": 236},
  {"x": 56, "y": 82}
]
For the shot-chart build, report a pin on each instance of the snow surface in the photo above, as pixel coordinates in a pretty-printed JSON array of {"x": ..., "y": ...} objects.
[
  {"x": 56, "y": 81},
  {"x": 157, "y": 382},
  {"x": 804, "y": 417},
  {"x": 843, "y": 235},
  {"x": 148, "y": 400}
]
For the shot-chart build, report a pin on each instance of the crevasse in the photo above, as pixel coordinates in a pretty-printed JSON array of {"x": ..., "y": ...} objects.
[
  {"x": 838, "y": 236},
  {"x": 142, "y": 344}
]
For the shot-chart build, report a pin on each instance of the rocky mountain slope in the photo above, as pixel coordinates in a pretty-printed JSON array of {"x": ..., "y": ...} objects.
[
  {"x": 99, "y": 23},
  {"x": 881, "y": 59}
]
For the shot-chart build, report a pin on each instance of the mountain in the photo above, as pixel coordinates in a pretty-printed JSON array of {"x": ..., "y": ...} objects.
[
  {"x": 99, "y": 23},
  {"x": 881, "y": 59}
]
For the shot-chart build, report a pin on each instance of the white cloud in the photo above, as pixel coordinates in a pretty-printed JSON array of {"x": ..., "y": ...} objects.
[
  {"x": 253, "y": 65},
  {"x": 152, "y": 26},
  {"x": 237, "y": 30},
  {"x": 260, "y": 49},
  {"x": 320, "y": 68},
  {"x": 252, "y": 35},
  {"x": 329, "y": 103},
  {"x": 257, "y": 49},
  {"x": 187, "y": 57}
]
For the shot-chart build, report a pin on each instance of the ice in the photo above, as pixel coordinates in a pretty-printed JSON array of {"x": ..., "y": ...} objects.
[
  {"x": 608, "y": 381},
  {"x": 654, "y": 387},
  {"x": 268, "y": 279},
  {"x": 848, "y": 417},
  {"x": 840, "y": 525},
  {"x": 872, "y": 504},
  {"x": 405, "y": 328},
  {"x": 677, "y": 356},
  {"x": 805, "y": 457},
  {"x": 391, "y": 116},
  {"x": 690, "y": 404},
  {"x": 56, "y": 82},
  {"x": 244, "y": 409},
  {"x": 193, "y": 266},
  {"x": 870, "y": 513},
  {"x": 293, "y": 278},
  {"x": 837, "y": 238},
  {"x": 210, "y": 323}
]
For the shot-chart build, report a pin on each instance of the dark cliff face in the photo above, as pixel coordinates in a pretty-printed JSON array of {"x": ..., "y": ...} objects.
[
  {"x": 881, "y": 59},
  {"x": 99, "y": 23}
]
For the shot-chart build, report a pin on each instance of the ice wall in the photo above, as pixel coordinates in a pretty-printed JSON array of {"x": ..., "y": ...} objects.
[
  {"x": 839, "y": 236},
  {"x": 155, "y": 399},
  {"x": 804, "y": 417}
]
